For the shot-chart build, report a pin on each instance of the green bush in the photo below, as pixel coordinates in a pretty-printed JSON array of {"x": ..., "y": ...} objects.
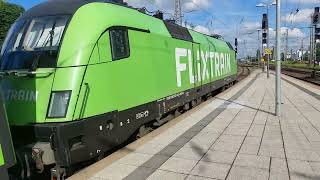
[{"x": 8, "y": 14}]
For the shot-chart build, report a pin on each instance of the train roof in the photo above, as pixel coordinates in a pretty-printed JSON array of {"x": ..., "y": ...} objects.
[
  {"x": 61, "y": 7},
  {"x": 69, "y": 7}
]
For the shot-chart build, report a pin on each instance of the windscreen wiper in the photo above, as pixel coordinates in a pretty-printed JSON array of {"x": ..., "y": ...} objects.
[{"x": 35, "y": 63}]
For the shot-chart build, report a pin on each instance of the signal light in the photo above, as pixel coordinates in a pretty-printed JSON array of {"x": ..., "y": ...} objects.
[
  {"x": 264, "y": 38},
  {"x": 264, "y": 25},
  {"x": 316, "y": 19},
  {"x": 316, "y": 15},
  {"x": 265, "y": 21},
  {"x": 264, "y": 41},
  {"x": 236, "y": 44},
  {"x": 264, "y": 35},
  {"x": 317, "y": 33}
]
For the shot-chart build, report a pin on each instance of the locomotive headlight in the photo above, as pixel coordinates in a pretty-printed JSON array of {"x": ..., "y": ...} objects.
[{"x": 59, "y": 103}]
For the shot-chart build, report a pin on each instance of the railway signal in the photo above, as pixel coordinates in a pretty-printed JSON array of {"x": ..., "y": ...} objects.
[
  {"x": 317, "y": 33},
  {"x": 265, "y": 27},
  {"x": 315, "y": 38},
  {"x": 316, "y": 19},
  {"x": 236, "y": 44},
  {"x": 265, "y": 41},
  {"x": 264, "y": 38},
  {"x": 316, "y": 23}
]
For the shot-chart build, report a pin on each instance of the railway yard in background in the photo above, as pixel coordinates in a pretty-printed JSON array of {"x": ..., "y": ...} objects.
[{"x": 309, "y": 75}]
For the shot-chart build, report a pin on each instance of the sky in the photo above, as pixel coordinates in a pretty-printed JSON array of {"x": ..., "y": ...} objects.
[{"x": 234, "y": 19}]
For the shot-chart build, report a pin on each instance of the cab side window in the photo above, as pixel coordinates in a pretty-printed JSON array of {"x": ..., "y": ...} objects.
[{"x": 119, "y": 43}]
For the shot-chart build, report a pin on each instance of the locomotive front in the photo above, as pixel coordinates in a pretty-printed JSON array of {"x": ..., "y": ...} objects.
[{"x": 36, "y": 91}]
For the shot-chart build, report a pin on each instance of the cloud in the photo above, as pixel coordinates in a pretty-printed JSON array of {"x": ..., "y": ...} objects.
[
  {"x": 187, "y": 5},
  {"x": 304, "y": 15},
  {"x": 191, "y": 5},
  {"x": 207, "y": 31},
  {"x": 293, "y": 33},
  {"x": 203, "y": 30}
]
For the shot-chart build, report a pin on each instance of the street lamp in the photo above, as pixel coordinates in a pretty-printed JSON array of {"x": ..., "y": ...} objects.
[{"x": 267, "y": 6}]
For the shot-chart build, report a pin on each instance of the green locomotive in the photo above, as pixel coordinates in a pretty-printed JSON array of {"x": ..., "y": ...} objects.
[{"x": 80, "y": 77}]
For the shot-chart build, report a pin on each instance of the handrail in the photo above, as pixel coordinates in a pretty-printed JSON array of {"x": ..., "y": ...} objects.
[{"x": 24, "y": 73}]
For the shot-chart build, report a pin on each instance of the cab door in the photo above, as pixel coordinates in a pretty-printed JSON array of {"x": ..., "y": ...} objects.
[{"x": 7, "y": 155}]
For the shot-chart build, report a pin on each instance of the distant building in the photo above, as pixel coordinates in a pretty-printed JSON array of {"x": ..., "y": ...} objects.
[{"x": 301, "y": 54}]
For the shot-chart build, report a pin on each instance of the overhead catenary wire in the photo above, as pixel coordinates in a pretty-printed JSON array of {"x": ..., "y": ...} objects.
[
  {"x": 153, "y": 3},
  {"x": 209, "y": 13}
]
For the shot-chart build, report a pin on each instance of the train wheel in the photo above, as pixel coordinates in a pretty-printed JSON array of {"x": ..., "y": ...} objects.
[
  {"x": 143, "y": 131},
  {"x": 58, "y": 173}
]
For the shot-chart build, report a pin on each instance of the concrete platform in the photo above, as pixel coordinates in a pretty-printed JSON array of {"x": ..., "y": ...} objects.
[{"x": 232, "y": 136}]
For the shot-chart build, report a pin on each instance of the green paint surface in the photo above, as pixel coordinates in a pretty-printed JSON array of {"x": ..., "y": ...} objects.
[
  {"x": 1, "y": 157},
  {"x": 100, "y": 85}
]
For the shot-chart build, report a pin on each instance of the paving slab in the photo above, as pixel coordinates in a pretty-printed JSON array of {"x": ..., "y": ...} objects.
[
  {"x": 249, "y": 149},
  {"x": 211, "y": 170},
  {"x": 190, "y": 153},
  {"x": 248, "y": 173},
  {"x": 219, "y": 157},
  {"x": 269, "y": 151},
  {"x": 254, "y": 161},
  {"x": 192, "y": 177},
  {"x": 163, "y": 175},
  {"x": 178, "y": 165}
]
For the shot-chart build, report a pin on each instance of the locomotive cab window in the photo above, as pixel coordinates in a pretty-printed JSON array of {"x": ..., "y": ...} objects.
[{"x": 119, "y": 44}]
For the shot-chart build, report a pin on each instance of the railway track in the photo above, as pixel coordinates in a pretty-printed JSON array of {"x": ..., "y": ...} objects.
[
  {"x": 243, "y": 71},
  {"x": 303, "y": 74}
]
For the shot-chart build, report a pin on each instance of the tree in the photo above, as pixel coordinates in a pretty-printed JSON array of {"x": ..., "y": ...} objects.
[
  {"x": 282, "y": 56},
  {"x": 8, "y": 14}
]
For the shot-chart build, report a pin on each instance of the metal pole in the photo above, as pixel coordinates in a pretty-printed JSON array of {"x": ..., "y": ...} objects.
[
  {"x": 268, "y": 59},
  {"x": 262, "y": 54},
  {"x": 287, "y": 36},
  {"x": 312, "y": 43},
  {"x": 311, "y": 48},
  {"x": 278, "y": 61},
  {"x": 259, "y": 55},
  {"x": 314, "y": 55},
  {"x": 177, "y": 12},
  {"x": 302, "y": 49}
]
